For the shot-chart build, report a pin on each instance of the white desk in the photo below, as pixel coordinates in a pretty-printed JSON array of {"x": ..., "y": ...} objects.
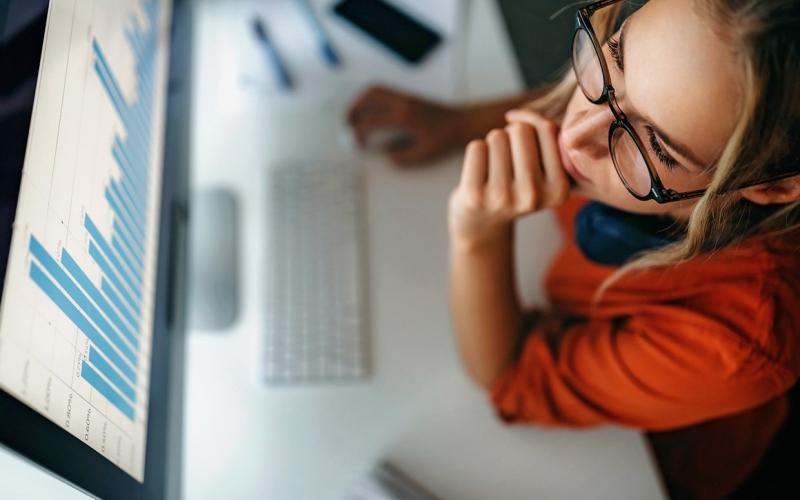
[{"x": 418, "y": 409}]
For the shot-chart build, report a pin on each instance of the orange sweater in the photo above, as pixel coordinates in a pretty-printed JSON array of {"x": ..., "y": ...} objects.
[{"x": 663, "y": 349}]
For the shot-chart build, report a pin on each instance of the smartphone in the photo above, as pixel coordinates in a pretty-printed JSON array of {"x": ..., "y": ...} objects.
[{"x": 396, "y": 30}]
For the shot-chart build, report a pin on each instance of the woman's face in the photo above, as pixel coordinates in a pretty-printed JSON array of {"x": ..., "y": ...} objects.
[{"x": 676, "y": 78}]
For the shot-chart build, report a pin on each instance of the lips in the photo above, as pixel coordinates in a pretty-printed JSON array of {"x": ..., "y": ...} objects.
[{"x": 569, "y": 166}]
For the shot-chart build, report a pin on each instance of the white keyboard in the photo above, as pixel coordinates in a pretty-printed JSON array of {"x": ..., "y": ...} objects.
[{"x": 315, "y": 298}]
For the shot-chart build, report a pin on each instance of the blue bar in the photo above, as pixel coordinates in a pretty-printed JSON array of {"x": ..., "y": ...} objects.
[
  {"x": 123, "y": 308},
  {"x": 121, "y": 105},
  {"x": 104, "y": 70},
  {"x": 95, "y": 294},
  {"x": 117, "y": 100},
  {"x": 124, "y": 254},
  {"x": 135, "y": 42},
  {"x": 79, "y": 298},
  {"x": 139, "y": 201},
  {"x": 115, "y": 93},
  {"x": 134, "y": 217},
  {"x": 126, "y": 165},
  {"x": 138, "y": 172},
  {"x": 91, "y": 376},
  {"x": 112, "y": 258},
  {"x": 128, "y": 201},
  {"x": 137, "y": 136},
  {"x": 103, "y": 263},
  {"x": 134, "y": 280},
  {"x": 77, "y": 318},
  {"x": 125, "y": 237},
  {"x": 121, "y": 216},
  {"x": 97, "y": 359},
  {"x": 145, "y": 87}
]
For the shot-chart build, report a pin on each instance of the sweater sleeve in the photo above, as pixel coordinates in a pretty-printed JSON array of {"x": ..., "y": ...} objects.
[{"x": 652, "y": 372}]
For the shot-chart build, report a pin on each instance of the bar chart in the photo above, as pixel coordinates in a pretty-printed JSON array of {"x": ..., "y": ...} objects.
[{"x": 76, "y": 318}]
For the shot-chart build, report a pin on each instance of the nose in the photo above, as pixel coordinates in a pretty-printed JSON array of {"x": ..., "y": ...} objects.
[{"x": 589, "y": 130}]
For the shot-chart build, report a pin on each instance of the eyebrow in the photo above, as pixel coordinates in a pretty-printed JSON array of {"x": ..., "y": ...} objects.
[{"x": 677, "y": 146}]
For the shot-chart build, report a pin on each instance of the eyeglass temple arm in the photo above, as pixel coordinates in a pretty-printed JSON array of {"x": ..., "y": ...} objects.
[
  {"x": 774, "y": 178},
  {"x": 677, "y": 196},
  {"x": 593, "y": 7}
]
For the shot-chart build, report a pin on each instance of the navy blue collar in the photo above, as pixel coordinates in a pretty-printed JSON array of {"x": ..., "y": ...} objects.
[{"x": 611, "y": 237}]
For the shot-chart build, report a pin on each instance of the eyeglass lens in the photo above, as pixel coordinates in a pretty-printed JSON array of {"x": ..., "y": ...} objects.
[
  {"x": 587, "y": 66},
  {"x": 629, "y": 162},
  {"x": 628, "y": 159}
]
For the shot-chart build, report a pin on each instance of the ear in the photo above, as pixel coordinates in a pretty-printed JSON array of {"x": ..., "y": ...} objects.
[{"x": 783, "y": 191}]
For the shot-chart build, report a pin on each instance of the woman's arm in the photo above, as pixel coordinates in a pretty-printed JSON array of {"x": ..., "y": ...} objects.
[
  {"x": 435, "y": 128},
  {"x": 485, "y": 304},
  {"x": 513, "y": 172},
  {"x": 477, "y": 119}
]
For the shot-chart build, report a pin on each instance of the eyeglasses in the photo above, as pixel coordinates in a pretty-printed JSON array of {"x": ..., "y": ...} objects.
[{"x": 631, "y": 162}]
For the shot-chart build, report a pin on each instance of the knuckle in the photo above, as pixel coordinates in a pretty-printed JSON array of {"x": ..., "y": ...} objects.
[
  {"x": 475, "y": 145},
  {"x": 473, "y": 198},
  {"x": 499, "y": 199},
  {"x": 526, "y": 200},
  {"x": 495, "y": 135},
  {"x": 550, "y": 127},
  {"x": 530, "y": 115},
  {"x": 518, "y": 128}
]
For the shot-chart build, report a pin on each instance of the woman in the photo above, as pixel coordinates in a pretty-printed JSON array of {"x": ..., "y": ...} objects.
[{"x": 671, "y": 156}]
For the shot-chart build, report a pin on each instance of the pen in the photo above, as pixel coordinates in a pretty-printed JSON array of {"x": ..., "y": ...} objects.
[
  {"x": 278, "y": 65},
  {"x": 325, "y": 45}
]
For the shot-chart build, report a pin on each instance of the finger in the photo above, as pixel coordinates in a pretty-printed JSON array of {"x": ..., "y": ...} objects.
[
  {"x": 387, "y": 119},
  {"x": 557, "y": 183},
  {"x": 366, "y": 102},
  {"x": 547, "y": 136},
  {"x": 408, "y": 152},
  {"x": 473, "y": 173},
  {"x": 500, "y": 170},
  {"x": 525, "y": 154}
]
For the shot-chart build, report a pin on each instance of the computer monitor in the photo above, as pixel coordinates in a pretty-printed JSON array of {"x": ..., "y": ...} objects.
[{"x": 94, "y": 103}]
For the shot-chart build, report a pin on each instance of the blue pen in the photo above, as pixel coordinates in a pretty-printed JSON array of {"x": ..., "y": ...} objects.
[
  {"x": 282, "y": 75},
  {"x": 325, "y": 46}
]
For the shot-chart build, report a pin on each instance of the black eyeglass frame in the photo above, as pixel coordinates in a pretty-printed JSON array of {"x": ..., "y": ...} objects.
[{"x": 657, "y": 191}]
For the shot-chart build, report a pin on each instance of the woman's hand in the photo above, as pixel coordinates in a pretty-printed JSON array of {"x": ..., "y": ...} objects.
[
  {"x": 511, "y": 173},
  {"x": 432, "y": 129}
]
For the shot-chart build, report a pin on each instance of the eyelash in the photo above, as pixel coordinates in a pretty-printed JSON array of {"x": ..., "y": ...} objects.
[
  {"x": 613, "y": 48},
  {"x": 662, "y": 156},
  {"x": 665, "y": 159}
]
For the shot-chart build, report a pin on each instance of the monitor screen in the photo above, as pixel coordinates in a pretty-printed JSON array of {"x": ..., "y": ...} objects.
[{"x": 82, "y": 110}]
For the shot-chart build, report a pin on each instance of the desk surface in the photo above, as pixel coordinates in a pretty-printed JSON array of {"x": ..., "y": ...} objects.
[{"x": 418, "y": 409}]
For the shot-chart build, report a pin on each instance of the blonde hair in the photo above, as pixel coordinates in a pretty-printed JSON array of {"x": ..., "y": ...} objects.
[{"x": 764, "y": 36}]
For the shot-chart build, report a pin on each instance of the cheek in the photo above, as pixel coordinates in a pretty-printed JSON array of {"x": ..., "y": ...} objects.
[{"x": 575, "y": 102}]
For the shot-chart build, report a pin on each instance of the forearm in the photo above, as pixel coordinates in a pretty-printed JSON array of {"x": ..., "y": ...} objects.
[
  {"x": 485, "y": 304},
  {"x": 478, "y": 119}
]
